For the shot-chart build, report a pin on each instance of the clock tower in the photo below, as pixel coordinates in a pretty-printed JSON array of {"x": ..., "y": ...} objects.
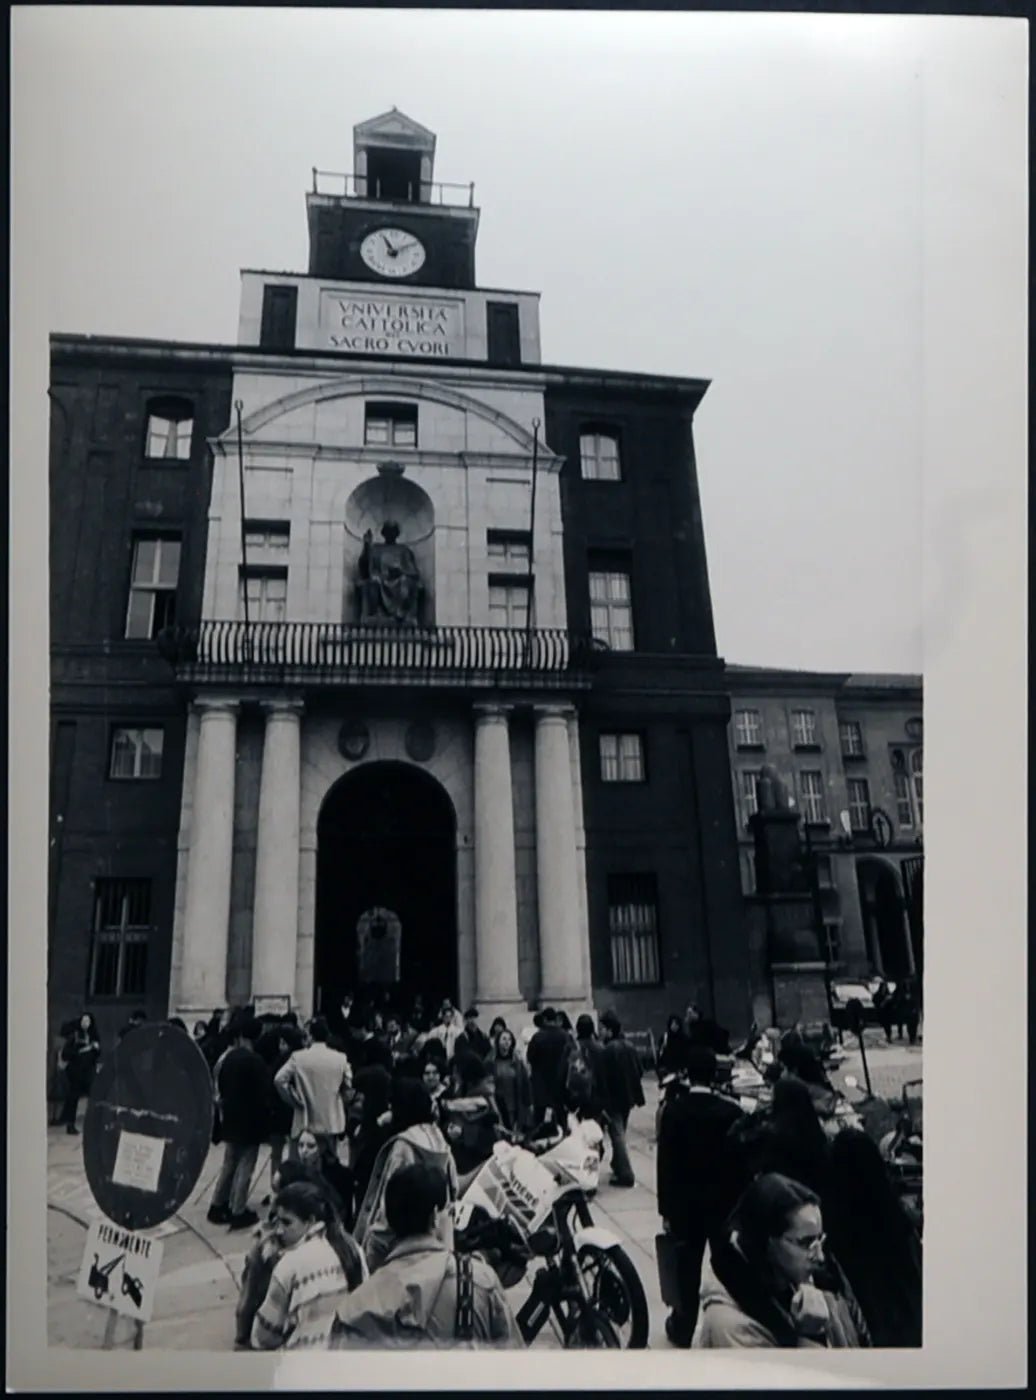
[{"x": 389, "y": 221}]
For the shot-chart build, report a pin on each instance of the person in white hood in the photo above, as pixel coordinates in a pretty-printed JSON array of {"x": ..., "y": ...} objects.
[{"x": 766, "y": 1282}]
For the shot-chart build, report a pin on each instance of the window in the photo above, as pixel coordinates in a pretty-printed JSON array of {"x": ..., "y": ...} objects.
[
  {"x": 811, "y": 787},
  {"x": 748, "y": 729},
  {"x": 508, "y": 547},
  {"x": 280, "y": 308},
  {"x": 832, "y": 941},
  {"x": 803, "y": 729},
  {"x": 852, "y": 739},
  {"x": 917, "y": 783},
  {"x": 153, "y": 578},
  {"x": 611, "y": 608},
  {"x": 170, "y": 427},
  {"x": 503, "y": 339},
  {"x": 267, "y": 594},
  {"x": 633, "y": 926},
  {"x": 390, "y": 425},
  {"x": 136, "y": 753},
  {"x": 599, "y": 456},
  {"x": 747, "y": 779},
  {"x": 509, "y": 604},
  {"x": 825, "y": 876},
  {"x": 904, "y": 807},
  {"x": 121, "y": 928},
  {"x": 859, "y": 804},
  {"x": 622, "y": 758}
]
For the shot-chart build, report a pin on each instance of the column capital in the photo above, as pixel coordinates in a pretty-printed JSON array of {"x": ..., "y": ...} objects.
[
  {"x": 207, "y": 705},
  {"x": 490, "y": 712},
  {"x": 284, "y": 707},
  {"x": 553, "y": 710}
]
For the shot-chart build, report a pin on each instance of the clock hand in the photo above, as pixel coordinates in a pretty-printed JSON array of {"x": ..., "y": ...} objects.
[
  {"x": 411, "y": 244},
  {"x": 388, "y": 245}
]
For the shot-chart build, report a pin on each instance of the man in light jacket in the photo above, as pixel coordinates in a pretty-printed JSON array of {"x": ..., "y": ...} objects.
[
  {"x": 315, "y": 1081},
  {"x": 418, "y": 1297}
]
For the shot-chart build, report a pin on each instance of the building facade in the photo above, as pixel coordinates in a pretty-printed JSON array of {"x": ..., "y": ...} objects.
[
  {"x": 440, "y": 673},
  {"x": 850, "y": 751}
]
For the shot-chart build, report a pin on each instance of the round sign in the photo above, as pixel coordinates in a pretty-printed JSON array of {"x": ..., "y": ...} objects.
[
  {"x": 148, "y": 1126},
  {"x": 881, "y": 828}
]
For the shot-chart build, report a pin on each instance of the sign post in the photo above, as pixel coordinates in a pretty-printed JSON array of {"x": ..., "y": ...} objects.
[{"x": 146, "y": 1136}]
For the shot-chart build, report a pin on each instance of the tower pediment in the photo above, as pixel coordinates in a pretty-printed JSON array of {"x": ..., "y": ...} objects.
[{"x": 393, "y": 128}]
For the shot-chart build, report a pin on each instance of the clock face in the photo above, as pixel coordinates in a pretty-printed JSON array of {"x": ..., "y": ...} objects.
[{"x": 392, "y": 252}]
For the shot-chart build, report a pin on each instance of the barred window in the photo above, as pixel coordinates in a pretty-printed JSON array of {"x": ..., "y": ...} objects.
[
  {"x": 747, "y": 779},
  {"x": 748, "y": 729},
  {"x": 599, "y": 457},
  {"x": 136, "y": 753},
  {"x": 622, "y": 758},
  {"x": 811, "y": 787},
  {"x": 633, "y": 925},
  {"x": 859, "y": 804},
  {"x": 121, "y": 930},
  {"x": 803, "y": 728},
  {"x": 611, "y": 608},
  {"x": 852, "y": 739}
]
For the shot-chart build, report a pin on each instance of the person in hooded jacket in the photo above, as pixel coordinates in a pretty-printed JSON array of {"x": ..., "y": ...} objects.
[
  {"x": 766, "y": 1282},
  {"x": 416, "y": 1296},
  {"x": 874, "y": 1240},
  {"x": 415, "y": 1138}
]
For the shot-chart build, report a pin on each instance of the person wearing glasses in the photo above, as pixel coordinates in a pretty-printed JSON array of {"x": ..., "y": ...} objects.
[{"x": 767, "y": 1282}]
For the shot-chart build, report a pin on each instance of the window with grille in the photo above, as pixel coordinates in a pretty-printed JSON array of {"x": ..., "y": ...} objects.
[
  {"x": 170, "y": 427},
  {"x": 811, "y": 788},
  {"x": 747, "y": 779},
  {"x": 121, "y": 930},
  {"x": 859, "y": 804},
  {"x": 267, "y": 595},
  {"x": 803, "y": 729},
  {"x": 599, "y": 456},
  {"x": 917, "y": 783},
  {"x": 153, "y": 579},
  {"x": 611, "y": 608},
  {"x": 508, "y": 548},
  {"x": 390, "y": 424},
  {"x": 136, "y": 753},
  {"x": 622, "y": 758},
  {"x": 852, "y": 739},
  {"x": 633, "y": 926},
  {"x": 748, "y": 729},
  {"x": 509, "y": 603},
  {"x": 904, "y": 807}
]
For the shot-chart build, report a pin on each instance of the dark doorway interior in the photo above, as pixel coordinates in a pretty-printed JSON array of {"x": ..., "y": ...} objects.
[
  {"x": 386, "y": 839},
  {"x": 883, "y": 911}
]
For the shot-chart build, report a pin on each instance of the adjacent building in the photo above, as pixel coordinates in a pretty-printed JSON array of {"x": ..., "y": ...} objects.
[{"x": 383, "y": 648}]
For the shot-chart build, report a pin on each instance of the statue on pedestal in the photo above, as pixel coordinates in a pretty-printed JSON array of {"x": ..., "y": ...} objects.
[
  {"x": 388, "y": 580},
  {"x": 771, "y": 793}
]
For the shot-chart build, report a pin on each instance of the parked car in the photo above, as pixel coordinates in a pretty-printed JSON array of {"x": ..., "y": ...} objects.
[{"x": 862, "y": 991}]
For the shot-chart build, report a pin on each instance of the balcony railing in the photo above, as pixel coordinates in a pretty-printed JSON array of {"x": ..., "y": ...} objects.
[
  {"x": 348, "y": 186},
  {"x": 331, "y": 653}
]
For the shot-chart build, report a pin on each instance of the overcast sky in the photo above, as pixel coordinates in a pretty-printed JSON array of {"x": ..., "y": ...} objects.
[{"x": 737, "y": 198}]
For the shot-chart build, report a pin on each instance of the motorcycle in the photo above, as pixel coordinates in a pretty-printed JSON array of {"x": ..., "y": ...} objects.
[{"x": 530, "y": 1202}]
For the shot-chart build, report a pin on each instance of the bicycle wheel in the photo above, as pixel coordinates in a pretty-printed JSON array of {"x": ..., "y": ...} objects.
[
  {"x": 593, "y": 1330},
  {"x": 616, "y": 1291}
]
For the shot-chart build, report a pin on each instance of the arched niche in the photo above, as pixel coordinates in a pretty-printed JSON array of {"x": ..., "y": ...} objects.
[{"x": 390, "y": 496}]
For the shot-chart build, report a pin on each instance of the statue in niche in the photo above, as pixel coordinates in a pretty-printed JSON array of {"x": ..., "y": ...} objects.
[{"x": 388, "y": 580}]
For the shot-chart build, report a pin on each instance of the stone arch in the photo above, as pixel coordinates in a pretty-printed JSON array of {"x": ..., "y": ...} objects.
[{"x": 394, "y": 387}]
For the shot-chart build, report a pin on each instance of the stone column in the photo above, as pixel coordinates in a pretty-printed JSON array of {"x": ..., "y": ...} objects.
[
  {"x": 561, "y": 962},
  {"x": 207, "y": 912},
  {"x": 496, "y": 903},
  {"x": 275, "y": 916}
]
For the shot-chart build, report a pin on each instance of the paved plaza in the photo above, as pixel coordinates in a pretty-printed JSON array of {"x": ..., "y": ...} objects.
[{"x": 197, "y": 1292}]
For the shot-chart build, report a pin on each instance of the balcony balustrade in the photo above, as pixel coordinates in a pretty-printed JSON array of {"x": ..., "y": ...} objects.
[{"x": 328, "y": 653}]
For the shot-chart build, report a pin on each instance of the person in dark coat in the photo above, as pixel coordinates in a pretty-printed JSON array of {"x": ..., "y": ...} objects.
[
  {"x": 79, "y": 1056},
  {"x": 373, "y": 1087},
  {"x": 874, "y": 1240},
  {"x": 275, "y": 1044},
  {"x": 243, "y": 1085},
  {"x": 695, "y": 1194},
  {"x": 673, "y": 1047},
  {"x": 621, "y": 1077},
  {"x": 787, "y": 1140},
  {"x": 548, "y": 1054},
  {"x": 703, "y": 1030},
  {"x": 472, "y": 1038},
  {"x": 511, "y": 1088},
  {"x": 592, "y": 1051}
]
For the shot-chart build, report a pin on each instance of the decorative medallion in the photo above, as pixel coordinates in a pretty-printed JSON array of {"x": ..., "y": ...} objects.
[
  {"x": 353, "y": 739},
  {"x": 420, "y": 741}
]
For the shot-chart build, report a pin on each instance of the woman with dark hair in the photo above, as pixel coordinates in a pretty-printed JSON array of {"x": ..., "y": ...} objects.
[
  {"x": 262, "y": 1255},
  {"x": 319, "y": 1263},
  {"x": 788, "y": 1139},
  {"x": 415, "y": 1138},
  {"x": 672, "y": 1048},
  {"x": 765, "y": 1282},
  {"x": 469, "y": 1117},
  {"x": 874, "y": 1240},
  {"x": 78, "y": 1059},
  {"x": 372, "y": 1124},
  {"x": 434, "y": 1079},
  {"x": 499, "y": 1024},
  {"x": 511, "y": 1084}
]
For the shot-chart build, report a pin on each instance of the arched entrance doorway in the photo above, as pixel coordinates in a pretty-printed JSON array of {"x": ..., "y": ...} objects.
[
  {"x": 386, "y": 909},
  {"x": 884, "y": 918}
]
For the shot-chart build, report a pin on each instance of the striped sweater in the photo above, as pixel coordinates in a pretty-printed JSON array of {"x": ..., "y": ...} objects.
[{"x": 307, "y": 1284}]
